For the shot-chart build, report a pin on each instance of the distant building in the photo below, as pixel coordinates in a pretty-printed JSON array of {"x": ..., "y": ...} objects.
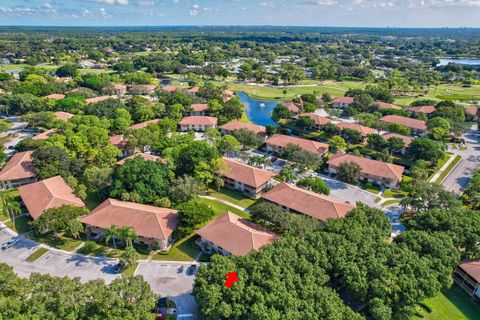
[
  {"x": 467, "y": 276},
  {"x": 118, "y": 141},
  {"x": 315, "y": 205},
  {"x": 364, "y": 131},
  {"x": 46, "y": 194},
  {"x": 150, "y": 223},
  {"x": 98, "y": 99},
  {"x": 199, "y": 109},
  {"x": 472, "y": 113},
  {"x": 231, "y": 127},
  {"x": 384, "y": 105},
  {"x": 342, "y": 102},
  {"x": 246, "y": 179},
  {"x": 120, "y": 89},
  {"x": 44, "y": 135},
  {"x": 64, "y": 116},
  {"x": 415, "y": 125},
  {"x": 295, "y": 108},
  {"x": 381, "y": 173},
  {"x": 406, "y": 140},
  {"x": 145, "y": 124},
  {"x": 18, "y": 171},
  {"x": 422, "y": 109},
  {"x": 55, "y": 96},
  {"x": 278, "y": 142},
  {"x": 319, "y": 120},
  {"x": 193, "y": 90},
  {"x": 197, "y": 123},
  {"x": 145, "y": 156},
  {"x": 230, "y": 234}
]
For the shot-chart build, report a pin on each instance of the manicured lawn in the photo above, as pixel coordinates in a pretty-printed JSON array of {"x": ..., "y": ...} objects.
[
  {"x": 452, "y": 304},
  {"x": 334, "y": 88},
  {"x": 220, "y": 208},
  {"x": 394, "y": 194},
  {"x": 96, "y": 250},
  {"x": 130, "y": 270},
  {"x": 233, "y": 197},
  {"x": 21, "y": 224},
  {"x": 183, "y": 250},
  {"x": 370, "y": 188},
  {"x": 244, "y": 118},
  {"x": 37, "y": 254},
  {"x": 390, "y": 202},
  {"x": 449, "y": 168},
  {"x": 60, "y": 242}
]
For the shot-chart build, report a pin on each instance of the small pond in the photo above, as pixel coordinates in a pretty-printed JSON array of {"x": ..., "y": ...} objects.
[
  {"x": 445, "y": 61},
  {"x": 258, "y": 111}
]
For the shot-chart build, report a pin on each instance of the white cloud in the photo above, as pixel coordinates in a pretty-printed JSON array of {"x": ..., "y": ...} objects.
[
  {"x": 194, "y": 10},
  {"x": 123, "y": 2}
]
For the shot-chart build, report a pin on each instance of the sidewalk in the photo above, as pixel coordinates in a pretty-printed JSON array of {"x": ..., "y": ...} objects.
[{"x": 442, "y": 169}]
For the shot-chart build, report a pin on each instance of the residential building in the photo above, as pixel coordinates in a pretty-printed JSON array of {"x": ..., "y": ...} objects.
[
  {"x": 18, "y": 171},
  {"x": 169, "y": 88},
  {"x": 415, "y": 125},
  {"x": 364, "y": 131},
  {"x": 44, "y": 135},
  {"x": 342, "y": 102},
  {"x": 150, "y": 223},
  {"x": 230, "y": 234},
  {"x": 197, "y": 123},
  {"x": 471, "y": 112},
  {"x": 46, "y": 194},
  {"x": 119, "y": 141},
  {"x": 140, "y": 89},
  {"x": 422, "y": 109},
  {"x": 381, "y": 173},
  {"x": 145, "y": 124},
  {"x": 199, "y": 109},
  {"x": 246, "y": 179},
  {"x": 278, "y": 142},
  {"x": 98, "y": 99},
  {"x": 231, "y": 127},
  {"x": 319, "y": 120},
  {"x": 227, "y": 95},
  {"x": 295, "y": 108},
  {"x": 384, "y": 105},
  {"x": 55, "y": 96},
  {"x": 193, "y": 90},
  {"x": 120, "y": 89},
  {"x": 315, "y": 205},
  {"x": 467, "y": 276},
  {"x": 145, "y": 156},
  {"x": 406, "y": 140},
  {"x": 64, "y": 116}
]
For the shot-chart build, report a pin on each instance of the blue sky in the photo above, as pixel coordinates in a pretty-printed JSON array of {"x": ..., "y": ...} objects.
[{"x": 366, "y": 13}]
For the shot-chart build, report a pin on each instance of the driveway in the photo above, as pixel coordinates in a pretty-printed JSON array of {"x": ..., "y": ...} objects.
[
  {"x": 18, "y": 128},
  {"x": 163, "y": 277},
  {"x": 168, "y": 279},
  {"x": 459, "y": 178}
]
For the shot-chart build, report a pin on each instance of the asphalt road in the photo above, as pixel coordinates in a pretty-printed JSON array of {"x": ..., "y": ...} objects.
[{"x": 459, "y": 178}]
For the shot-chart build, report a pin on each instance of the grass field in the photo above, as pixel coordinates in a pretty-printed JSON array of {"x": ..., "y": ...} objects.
[
  {"x": 21, "y": 224},
  {"x": 37, "y": 254},
  {"x": 60, "y": 242},
  {"x": 219, "y": 208},
  {"x": 335, "y": 89},
  {"x": 183, "y": 250},
  {"x": 233, "y": 197},
  {"x": 452, "y": 304},
  {"x": 450, "y": 167},
  {"x": 128, "y": 272}
]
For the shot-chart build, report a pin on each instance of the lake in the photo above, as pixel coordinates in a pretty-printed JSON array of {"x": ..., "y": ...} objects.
[
  {"x": 445, "y": 61},
  {"x": 258, "y": 115}
]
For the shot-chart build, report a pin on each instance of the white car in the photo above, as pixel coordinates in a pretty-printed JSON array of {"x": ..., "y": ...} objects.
[{"x": 10, "y": 243}]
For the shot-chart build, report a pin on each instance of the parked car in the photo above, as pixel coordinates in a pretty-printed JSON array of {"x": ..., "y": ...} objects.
[
  {"x": 10, "y": 243},
  {"x": 180, "y": 270},
  {"x": 191, "y": 270},
  {"x": 118, "y": 268}
]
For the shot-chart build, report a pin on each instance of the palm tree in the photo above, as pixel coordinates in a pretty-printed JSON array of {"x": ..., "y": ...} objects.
[
  {"x": 10, "y": 207},
  {"x": 75, "y": 227},
  {"x": 112, "y": 234},
  {"x": 128, "y": 235}
]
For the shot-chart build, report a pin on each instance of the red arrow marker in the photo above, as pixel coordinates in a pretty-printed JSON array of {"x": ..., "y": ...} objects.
[{"x": 231, "y": 279}]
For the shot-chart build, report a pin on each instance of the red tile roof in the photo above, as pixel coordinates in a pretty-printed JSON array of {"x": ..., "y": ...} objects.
[
  {"x": 319, "y": 120},
  {"x": 145, "y": 156},
  {"x": 193, "y": 90},
  {"x": 147, "y": 221},
  {"x": 18, "y": 167},
  {"x": 199, "y": 107},
  {"x": 120, "y": 87},
  {"x": 292, "y": 106},
  {"x": 55, "y": 96},
  {"x": 145, "y": 124},
  {"x": 347, "y": 100},
  {"x": 471, "y": 111},
  {"x": 407, "y": 122},
  {"x": 365, "y": 131},
  {"x": 46, "y": 194},
  {"x": 44, "y": 135},
  {"x": 406, "y": 140},
  {"x": 199, "y": 120},
  {"x": 312, "y": 204},
  {"x": 118, "y": 141},
  {"x": 169, "y": 88},
  {"x": 237, "y": 125},
  {"x": 235, "y": 234},
  {"x": 308, "y": 145},
  {"x": 246, "y": 174},
  {"x": 64, "y": 116},
  {"x": 369, "y": 166},
  {"x": 472, "y": 268},
  {"x": 423, "y": 109},
  {"x": 98, "y": 99},
  {"x": 385, "y": 105}
]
